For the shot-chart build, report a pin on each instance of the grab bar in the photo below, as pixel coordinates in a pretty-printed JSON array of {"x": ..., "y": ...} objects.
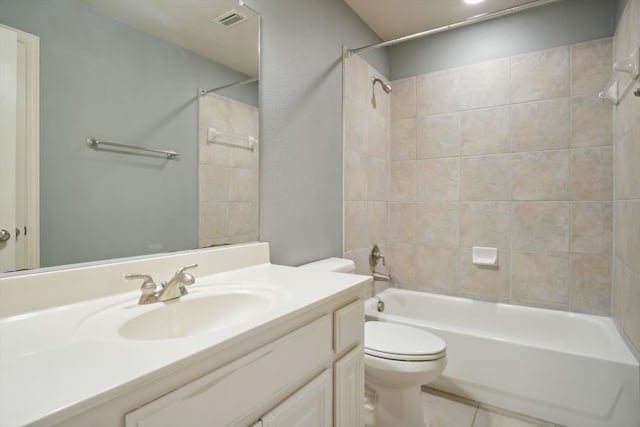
[{"x": 96, "y": 143}]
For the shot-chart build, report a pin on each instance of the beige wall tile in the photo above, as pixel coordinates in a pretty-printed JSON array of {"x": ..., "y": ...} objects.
[
  {"x": 591, "y": 227},
  {"x": 213, "y": 154},
  {"x": 437, "y": 269},
  {"x": 485, "y": 131},
  {"x": 485, "y": 224},
  {"x": 438, "y": 179},
  {"x": 627, "y": 112},
  {"x": 540, "y": 226},
  {"x": 355, "y": 126},
  {"x": 377, "y": 223},
  {"x": 541, "y": 175},
  {"x": 245, "y": 159},
  {"x": 590, "y": 284},
  {"x": 243, "y": 219},
  {"x": 355, "y": 175},
  {"x": 592, "y": 173},
  {"x": 438, "y": 92},
  {"x": 591, "y": 121},
  {"x": 377, "y": 179},
  {"x": 438, "y": 136},
  {"x": 484, "y": 84},
  {"x": 378, "y": 136},
  {"x": 403, "y": 98},
  {"x": 356, "y": 81},
  {"x": 403, "y": 221},
  {"x": 540, "y": 277},
  {"x": 361, "y": 258},
  {"x": 402, "y": 264},
  {"x": 627, "y": 240},
  {"x": 487, "y": 282},
  {"x": 356, "y": 225},
  {"x": 402, "y": 180},
  {"x": 627, "y": 166},
  {"x": 540, "y": 75},
  {"x": 438, "y": 224},
  {"x": 213, "y": 183},
  {"x": 213, "y": 220},
  {"x": 403, "y": 139},
  {"x": 590, "y": 66},
  {"x": 541, "y": 125},
  {"x": 485, "y": 177},
  {"x": 243, "y": 185}
]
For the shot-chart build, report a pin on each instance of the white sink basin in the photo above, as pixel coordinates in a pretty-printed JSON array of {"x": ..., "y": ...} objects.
[{"x": 204, "y": 310}]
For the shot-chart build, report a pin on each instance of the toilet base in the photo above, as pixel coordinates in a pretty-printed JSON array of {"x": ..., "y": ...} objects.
[{"x": 395, "y": 407}]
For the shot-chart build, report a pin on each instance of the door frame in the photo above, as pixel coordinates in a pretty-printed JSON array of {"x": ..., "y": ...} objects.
[{"x": 32, "y": 140}]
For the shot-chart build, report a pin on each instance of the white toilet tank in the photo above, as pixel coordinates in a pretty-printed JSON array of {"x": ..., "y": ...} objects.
[{"x": 340, "y": 265}]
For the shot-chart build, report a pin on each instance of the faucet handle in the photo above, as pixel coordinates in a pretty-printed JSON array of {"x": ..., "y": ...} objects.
[
  {"x": 376, "y": 256},
  {"x": 147, "y": 284},
  {"x": 186, "y": 267},
  {"x": 148, "y": 287}
]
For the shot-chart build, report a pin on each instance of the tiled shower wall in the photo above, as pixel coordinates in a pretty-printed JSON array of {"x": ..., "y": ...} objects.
[
  {"x": 626, "y": 255},
  {"x": 227, "y": 175},
  {"x": 366, "y": 162},
  {"x": 514, "y": 153}
]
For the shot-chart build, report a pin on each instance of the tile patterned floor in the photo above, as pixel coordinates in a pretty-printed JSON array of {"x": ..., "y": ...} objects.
[{"x": 445, "y": 410}]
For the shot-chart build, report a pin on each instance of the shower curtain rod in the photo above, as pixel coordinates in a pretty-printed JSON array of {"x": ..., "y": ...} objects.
[
  {"x": 468, "y": 21},
  {"x": 215, "y": 89}
]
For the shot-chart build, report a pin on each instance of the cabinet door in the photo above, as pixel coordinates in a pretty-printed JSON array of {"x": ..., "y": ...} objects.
[
  {"x": 349, "y": 389},
  {"x": 308, "y": 407},
  {"x": 243, "y": 390}
]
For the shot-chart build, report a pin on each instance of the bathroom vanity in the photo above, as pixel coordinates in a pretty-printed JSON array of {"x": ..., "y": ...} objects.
[{"x": 251, "y": 344}]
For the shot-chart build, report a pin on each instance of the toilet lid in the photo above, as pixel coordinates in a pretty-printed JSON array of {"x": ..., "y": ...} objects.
[{"x": 400, "y": 342}]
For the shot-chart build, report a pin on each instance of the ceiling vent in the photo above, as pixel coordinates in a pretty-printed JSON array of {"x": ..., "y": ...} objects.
[{"x": 230, "y": 18}]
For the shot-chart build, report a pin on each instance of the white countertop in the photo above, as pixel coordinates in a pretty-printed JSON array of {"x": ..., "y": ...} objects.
[{"x": 51, "y": 368}]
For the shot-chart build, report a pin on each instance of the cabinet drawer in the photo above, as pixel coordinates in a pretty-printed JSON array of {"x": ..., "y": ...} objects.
[
  {"x": 349, "y": 326},
  {"x": 241, "y": 391}
]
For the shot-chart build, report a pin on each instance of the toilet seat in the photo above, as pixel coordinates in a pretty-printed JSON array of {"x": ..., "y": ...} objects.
[{"x": 400, "y": 342}]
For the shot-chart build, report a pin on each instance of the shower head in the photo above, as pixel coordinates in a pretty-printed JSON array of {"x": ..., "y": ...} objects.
[{"x": 385, "y": 86}]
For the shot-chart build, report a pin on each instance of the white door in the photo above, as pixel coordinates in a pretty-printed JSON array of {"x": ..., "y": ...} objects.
[
  {"x": 308, "y": 407},
  {"x": 8, "y": 80}
]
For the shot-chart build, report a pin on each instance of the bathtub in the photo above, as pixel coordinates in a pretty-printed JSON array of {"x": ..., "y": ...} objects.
[{"x": 567, "y": 368}]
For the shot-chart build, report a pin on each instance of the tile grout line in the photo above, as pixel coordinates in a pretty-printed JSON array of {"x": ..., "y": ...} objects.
[{"x": 475, "y": 414}]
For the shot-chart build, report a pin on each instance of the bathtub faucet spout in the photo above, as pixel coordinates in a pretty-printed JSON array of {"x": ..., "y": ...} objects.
[{"x": 379, "y": 277}]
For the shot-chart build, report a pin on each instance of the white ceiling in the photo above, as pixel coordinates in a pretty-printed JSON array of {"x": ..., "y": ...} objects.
[
  {"x": 391, "y": 19},
  {"x": 189, "y": 23}
]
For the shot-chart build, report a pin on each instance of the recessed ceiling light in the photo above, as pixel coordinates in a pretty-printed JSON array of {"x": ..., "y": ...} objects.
[{"x": 473, "y": 1}]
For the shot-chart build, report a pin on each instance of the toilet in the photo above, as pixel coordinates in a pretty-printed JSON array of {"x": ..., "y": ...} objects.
[{"x": 398, "y": 360}]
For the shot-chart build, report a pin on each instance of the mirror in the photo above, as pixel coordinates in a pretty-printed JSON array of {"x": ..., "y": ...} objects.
[{"x": 131, "y": 72}]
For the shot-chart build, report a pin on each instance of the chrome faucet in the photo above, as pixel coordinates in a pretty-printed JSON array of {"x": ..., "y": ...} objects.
[
  {"x": 170, "y": 290},
  {"x": 374, "y": 257}
]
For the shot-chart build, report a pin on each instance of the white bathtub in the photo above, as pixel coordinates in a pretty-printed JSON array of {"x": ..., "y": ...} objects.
[{"x": 567, "y": 368}]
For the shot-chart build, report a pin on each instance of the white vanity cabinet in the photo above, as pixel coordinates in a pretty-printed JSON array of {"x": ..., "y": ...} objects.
[
  {"x": 311, "y": 406},
  {"x": 311, "y": 377}
]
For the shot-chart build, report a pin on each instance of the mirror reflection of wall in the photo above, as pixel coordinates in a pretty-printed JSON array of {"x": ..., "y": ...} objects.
[
  {"x": 102, "y": 78},
  {"x": 228, "y": 181}
]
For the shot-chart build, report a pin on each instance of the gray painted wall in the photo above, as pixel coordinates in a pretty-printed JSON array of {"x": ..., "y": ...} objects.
[
  {"x": 620, "y": 5},
  {"x": 301, "y": 129},
  {"x": 558, "y": 24},
  {"x": 102, "y": 79}
]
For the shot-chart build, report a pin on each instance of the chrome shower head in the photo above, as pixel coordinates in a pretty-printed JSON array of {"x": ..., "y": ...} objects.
[{"x": 385, "y": 86}]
